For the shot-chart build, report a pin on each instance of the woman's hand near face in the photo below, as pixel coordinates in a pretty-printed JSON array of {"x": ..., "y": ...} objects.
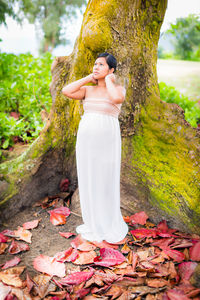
[
  {"x": 111, "y": 77},
  {"x": 92, "y": 79}
]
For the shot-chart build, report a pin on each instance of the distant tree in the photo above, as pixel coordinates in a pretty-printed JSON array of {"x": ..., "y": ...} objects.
[
  {"x": 187, "y": 36},
  {"x": 48, "y": 16},
  {"x": 6, "y": 9}
]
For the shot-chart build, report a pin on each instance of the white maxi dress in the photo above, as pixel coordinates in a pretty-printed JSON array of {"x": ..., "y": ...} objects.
[{"x": 98, "y": 161}]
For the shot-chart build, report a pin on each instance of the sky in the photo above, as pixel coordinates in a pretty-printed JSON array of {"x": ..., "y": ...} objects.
[{"x": 17, "y": 39}]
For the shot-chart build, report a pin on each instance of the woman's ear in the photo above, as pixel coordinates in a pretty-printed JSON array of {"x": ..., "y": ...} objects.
[{"x": 111, "y": 70}]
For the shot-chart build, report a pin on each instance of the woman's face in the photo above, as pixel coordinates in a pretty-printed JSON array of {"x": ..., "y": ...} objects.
[{"x": 101, "y": 68}]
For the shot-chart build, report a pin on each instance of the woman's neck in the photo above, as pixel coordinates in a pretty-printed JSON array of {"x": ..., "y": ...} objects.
[{"x": 101, "y": 82}]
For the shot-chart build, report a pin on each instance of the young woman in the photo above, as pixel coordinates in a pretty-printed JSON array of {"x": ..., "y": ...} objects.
[{"x": 98, "y": 152}]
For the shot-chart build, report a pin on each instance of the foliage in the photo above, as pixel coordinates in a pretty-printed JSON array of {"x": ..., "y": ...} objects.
[
  {"x": 186, "y": 32},
  {"x": 24, "y": 90},
  {"x": 6, "y": 8},
  {"x": 50, "y": 18},
  {"x": 164, "y": 54},
  {"x": 191, "y": 108}
]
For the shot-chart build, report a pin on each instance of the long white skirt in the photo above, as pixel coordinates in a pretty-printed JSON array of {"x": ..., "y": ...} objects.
[{"x": 98, "y": 160}]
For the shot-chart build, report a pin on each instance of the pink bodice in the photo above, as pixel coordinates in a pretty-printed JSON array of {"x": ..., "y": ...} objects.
[{"x": 101, "y": 105}]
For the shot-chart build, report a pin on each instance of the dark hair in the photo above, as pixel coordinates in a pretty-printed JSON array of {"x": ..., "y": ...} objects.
[{"x": 110, "y": 59}]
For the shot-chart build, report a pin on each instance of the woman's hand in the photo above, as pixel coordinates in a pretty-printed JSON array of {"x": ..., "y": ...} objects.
[
  {"x": 92, "y": 79},
  {"x": 111, "y": 77}
]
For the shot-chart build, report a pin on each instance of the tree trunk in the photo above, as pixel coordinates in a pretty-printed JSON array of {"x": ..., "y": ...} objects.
[{"x": 160, "y": 150}]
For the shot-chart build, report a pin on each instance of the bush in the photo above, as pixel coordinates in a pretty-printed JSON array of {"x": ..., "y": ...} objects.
[
  {"x": 191, "y": 108},
  {"x": 24, "y": 92}
]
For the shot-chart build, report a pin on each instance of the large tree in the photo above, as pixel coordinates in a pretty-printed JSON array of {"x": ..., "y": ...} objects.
[{"x": 160, "y": 150}]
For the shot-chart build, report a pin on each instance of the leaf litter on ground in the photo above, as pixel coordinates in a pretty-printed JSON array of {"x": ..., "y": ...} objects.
[{"x": 151, "y": 262}]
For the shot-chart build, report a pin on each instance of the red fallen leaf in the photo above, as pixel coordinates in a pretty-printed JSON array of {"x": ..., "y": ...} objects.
[
  {"x": 17, "y": 247},
  {"x": 109, "y": 257},
  {"x": 66, "y": 234},
  {"x": 69, "y": 255},
  {"x": 23, "y": 234},
  {"x": 85, "y": 257},
  {"x": 86, "y": 246},
  {"x": 48, "y": 265},
  {"x": 139, "y": 218},
  {"x": 104, "y": 244},
  {"x": 162, "y": 226},
  {"x": 4, "y": 290},
  {"x": 63, "y": 210},
  {"x": 163, "y": 243},
  {"x": 64, "y": 184},
  {"x": 76, "y": 278},
  {"x": 140, "y": 233},
  {"x": 77, "y": 241},
  {"x": 175, "y": 294},
  {"x": 175, "y": 254},
  {"x": 186, "y": 269},
  {"x": 82, "y": 292},
  {"x": 3, "y": 238},
  {"x": 57, "y": 219},
  {"x": 8, "y": 232},
  {"x": 11, "y": 263},
  {"x": 31, "y": 224},
  {"x": 194, "y": 252},
  {"x": 181, "y": 243},
  {"x": 126, "y": 219}
]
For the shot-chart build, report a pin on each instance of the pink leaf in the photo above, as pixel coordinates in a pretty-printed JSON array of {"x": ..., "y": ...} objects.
[
  {"x": 186, "y": 269},
  {"x": 194, "y": 252},
  {"x": 8, "y": 232},
  {"x": 162, "y": 226},
  {"x": 63, "y": 210},
  {"x": 140, "y": 233},
  {"x": 4, "y": 290},
  {"x": 109, "y": 257},
  {"x": 69, "y": 255},
  {"x": 66, "y": 234},
  {"x": 76, "y": 278},
  {"x": 175, "y": 294},
  {"x": 139, "y": 218},
  {"x": 175, "y": 254},
  {"x": 31, "y": 224},
  {"x": 23, "y": 234},
  {"x": 64, "y": 184},
  {"x": 48, "y": 265},
  {"x": 163, "y": 243},
  {"x": 57, "y": 219},
  {"x": 17, "y": 247},
  {"x": 11, "y": 263},
  {"x": 3, "y": 238}
]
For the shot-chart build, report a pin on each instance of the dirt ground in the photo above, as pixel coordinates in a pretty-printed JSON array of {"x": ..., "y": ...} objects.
[{"x": 45, "y": 238}]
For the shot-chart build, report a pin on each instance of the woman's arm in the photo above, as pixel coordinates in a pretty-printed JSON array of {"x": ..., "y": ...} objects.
[
  {"x": 76, "y": 90},
  {"x": 116, "y": 93}
]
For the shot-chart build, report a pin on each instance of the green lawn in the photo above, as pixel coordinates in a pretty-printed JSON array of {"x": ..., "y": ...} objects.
[{"x": 183, "y": 75}]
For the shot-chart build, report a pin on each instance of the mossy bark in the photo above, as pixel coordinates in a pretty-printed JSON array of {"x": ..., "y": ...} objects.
[{"x": 160, "y": 150}]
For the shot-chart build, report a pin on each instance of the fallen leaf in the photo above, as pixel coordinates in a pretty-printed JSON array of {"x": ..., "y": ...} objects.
[
  {"x": 23, "y": 234},
  {"x": 109, "y": 257},
  {"x": 3, "y": 238},
  {"x": 139, "y": 218},
  {"x": 194, "y": 252},
  {"x": 48, "y": 265},
  {"x": 186, "y": 269},
  {"x": 86, "y": 246},
  {"x": 8, "y": 232},
  {"x": 157, "y": 282},
  {"x": 68, "y": 255},
  {"x": 31, "y": 224},
  {"x": 66, "y": 234},
  {"x": 11, "y": 276},
  {"x": 175, "y": 254},
  {"x": 11, "y": 263},
  {"x": 4, "y": 291},
  {"x": 85, "y": 257},
  {"x": 63, "y": 210},
  {"x": 76, "y": 278},
  {"x": 57, "y": 219},
  {"x": 3, "y": 247},
  {"x": 175, "y": 294},
  {"x": 17, "y": 247},
  {"x": 140, "y": 233}
]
